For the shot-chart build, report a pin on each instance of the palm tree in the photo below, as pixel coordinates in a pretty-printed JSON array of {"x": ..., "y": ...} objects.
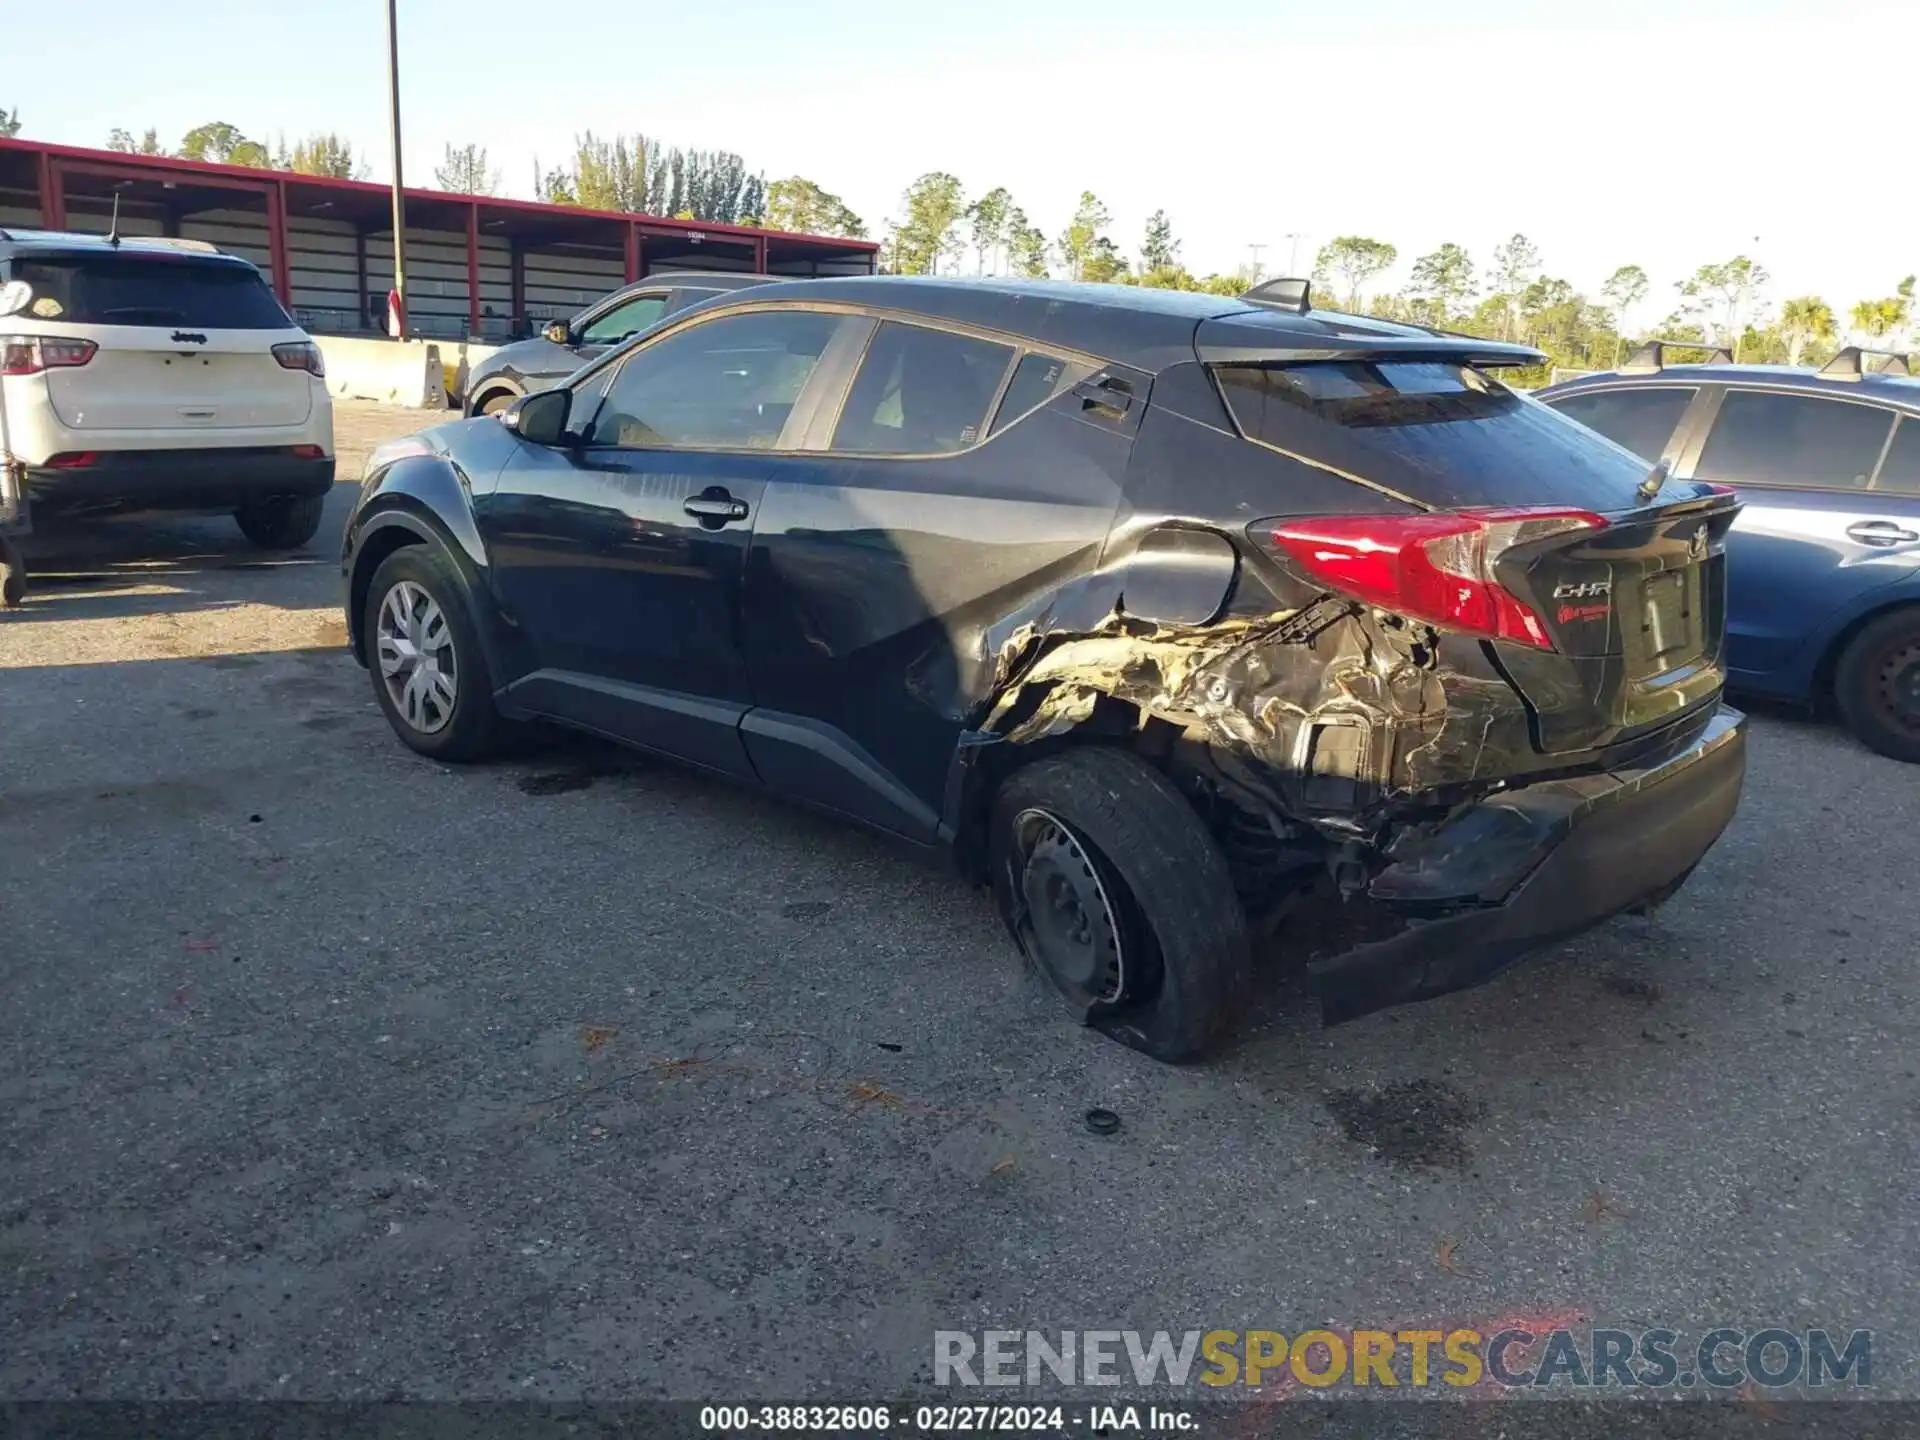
[{"x": 1802, "y": 320}]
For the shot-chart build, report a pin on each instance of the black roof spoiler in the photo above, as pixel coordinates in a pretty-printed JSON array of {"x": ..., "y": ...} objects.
[
  {"x": 1850, "y": 364},
  {"x": 1284, "y": 349},
  {"x": 1650, "y": 356}
]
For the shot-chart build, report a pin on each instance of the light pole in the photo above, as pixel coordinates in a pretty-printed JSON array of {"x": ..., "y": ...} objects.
[
  {"x": 1293, "y": 253},
  {"x": 1256, "y": 249},
  {"x": 397, "y": 321}
]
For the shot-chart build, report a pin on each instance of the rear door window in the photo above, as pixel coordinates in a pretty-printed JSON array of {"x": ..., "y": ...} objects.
[
  {"x": 1642, "y": 419},
  {"x": 1444, "y": 434},
  {"x": 1763, "y": 438},
  {"x": 920, "y": 392},
  {"x": 148, "y": 290},
  {"x": 1900, "y": 471}
]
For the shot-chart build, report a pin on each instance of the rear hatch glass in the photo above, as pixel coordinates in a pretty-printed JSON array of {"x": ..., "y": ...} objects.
[
  {"x": 126, "y": 289},
  {"x": 1634, "y": 609},
  {"x": 184, "y": 344},
  {"x": 1444, "y": 434}
]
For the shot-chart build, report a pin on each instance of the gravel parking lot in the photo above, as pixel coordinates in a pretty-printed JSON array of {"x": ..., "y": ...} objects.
[{"x": 331, "y": 1072}]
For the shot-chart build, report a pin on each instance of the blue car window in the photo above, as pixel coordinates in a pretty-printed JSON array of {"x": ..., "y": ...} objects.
[
  {"x": 1641, "y": 419},
  {"x": 1900, "y": 471},
  {"x": 1766, "y": 438}
]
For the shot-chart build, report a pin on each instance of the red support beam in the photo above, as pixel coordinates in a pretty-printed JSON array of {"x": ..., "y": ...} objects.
[
  {"x": 633, "y": 252},
  {"x": 760, "y": 254},
  {"x": 473, "y": 270},
  {"x": 53, "y": 199},
  {"x": 517, "y": 278},
  {"x": 277, "y": 242}
]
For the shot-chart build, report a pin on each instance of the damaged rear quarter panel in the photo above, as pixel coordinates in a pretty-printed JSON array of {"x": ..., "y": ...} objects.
[{"x": 1304, "y": 704}]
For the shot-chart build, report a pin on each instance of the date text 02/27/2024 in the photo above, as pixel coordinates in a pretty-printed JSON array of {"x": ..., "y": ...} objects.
[{"x": 948, "y": 1419}]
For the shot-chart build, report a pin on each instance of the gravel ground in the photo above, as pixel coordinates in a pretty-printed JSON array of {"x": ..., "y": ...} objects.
[{"x": 333, "y": 1073}]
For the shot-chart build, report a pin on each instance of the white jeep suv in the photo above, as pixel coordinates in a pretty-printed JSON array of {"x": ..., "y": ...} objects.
[{"x": 147, "y": 374}]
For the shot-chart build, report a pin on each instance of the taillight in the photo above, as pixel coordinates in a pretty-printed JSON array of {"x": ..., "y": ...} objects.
[
  {"x": 30, "y": 354},
  {"x": 72, "y": 460},
  {"x": 308, "y": 452},
  {"x": 1438, "y": 568},
  {"x": 301, "y": 355}
]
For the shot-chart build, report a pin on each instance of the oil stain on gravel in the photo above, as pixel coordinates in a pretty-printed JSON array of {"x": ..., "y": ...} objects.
[{"x": 1412, "y": 1123}]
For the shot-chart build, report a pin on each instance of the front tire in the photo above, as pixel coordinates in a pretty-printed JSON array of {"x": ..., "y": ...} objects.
[
  {"x": 1877, "y": 684},
  {"x": 281, "y": 524},
  {"x": 1116, "y": 893},
  {"x": 494, "y": 404},
  {"x": 422, "y": 649}
]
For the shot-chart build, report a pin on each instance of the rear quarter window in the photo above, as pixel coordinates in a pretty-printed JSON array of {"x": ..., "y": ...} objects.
[
  {"x": 146, "y": 290},
  {"x": 1444, "y": 434}
]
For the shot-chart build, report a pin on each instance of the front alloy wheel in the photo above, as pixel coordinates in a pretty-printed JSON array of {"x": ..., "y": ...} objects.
[{"x": 418, "y": 662}]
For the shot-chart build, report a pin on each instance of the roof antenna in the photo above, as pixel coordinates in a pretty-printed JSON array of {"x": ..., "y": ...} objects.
[{"x": 113, "y": 225}]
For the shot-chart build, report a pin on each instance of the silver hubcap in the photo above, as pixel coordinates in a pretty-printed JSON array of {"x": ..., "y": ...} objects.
[{"x": 416, "y": 657}]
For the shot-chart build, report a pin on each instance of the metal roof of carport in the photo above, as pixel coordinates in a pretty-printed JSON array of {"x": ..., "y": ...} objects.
[{"x": 60, "y": 173}]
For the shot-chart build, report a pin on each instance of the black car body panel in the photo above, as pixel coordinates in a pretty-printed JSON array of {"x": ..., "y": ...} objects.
[
  {"x": 887, "y": 636},
  {"x": 535, "y": 363}
]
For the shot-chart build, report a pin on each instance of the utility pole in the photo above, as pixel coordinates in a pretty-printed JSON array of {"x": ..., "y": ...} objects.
[
  {"x": 1293, "y": 254},
  {"x": 1256, "y": 249},
  {"x": 397, "y": 322}
]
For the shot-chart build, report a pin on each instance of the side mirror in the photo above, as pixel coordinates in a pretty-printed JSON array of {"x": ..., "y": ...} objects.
[
  {"x": 558, "y": 333},
  {"x": 539, "y": 418},
  {"x": 14, "y": 296}
]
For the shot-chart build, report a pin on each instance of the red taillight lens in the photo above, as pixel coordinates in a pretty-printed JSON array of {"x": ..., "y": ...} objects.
[
  {"x": 30, "y": 354},
  {"x": 301, "y": 355},
  {"x": 1438, "y": 568},
  {"x": 72, "y": 460},
  {"x": 308, "y": 452}
]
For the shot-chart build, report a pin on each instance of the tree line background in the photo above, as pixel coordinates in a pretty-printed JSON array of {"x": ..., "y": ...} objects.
[{"x": 940, "y": 229}]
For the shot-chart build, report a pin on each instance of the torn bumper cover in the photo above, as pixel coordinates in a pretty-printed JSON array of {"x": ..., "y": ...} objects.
[{"x": 1533, "y": 866}]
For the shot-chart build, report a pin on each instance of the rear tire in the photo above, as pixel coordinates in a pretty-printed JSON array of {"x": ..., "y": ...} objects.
[
  {"x": 1877, "y": 684},
  {"x": 281, "y": 524},
  {"x": 494, "y": 404},
  {"x": 13, "y": 575},
  {"x": 1115, "y": 891},
  {"x": 417, "y": 620}
]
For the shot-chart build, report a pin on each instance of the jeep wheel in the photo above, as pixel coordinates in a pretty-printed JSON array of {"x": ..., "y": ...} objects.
[
  {"x": 1116, "y": 893},
  {"x": 1877, "y": 684},
  {"x": 282, "y": 524},
  {"x": 13, "y": 575}
]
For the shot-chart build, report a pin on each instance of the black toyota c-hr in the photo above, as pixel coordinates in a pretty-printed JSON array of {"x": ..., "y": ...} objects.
[{"x": 1156, "y": 611}]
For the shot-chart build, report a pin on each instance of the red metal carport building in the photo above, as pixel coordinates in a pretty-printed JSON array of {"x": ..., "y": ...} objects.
[{"x": 477, "y": 266}]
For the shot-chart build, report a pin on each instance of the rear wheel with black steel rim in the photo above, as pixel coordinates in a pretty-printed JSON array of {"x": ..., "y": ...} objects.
[
  {"x": 1117, "y": 894},
  {"x": 1877, "y": 684},
  {"x": 429, "y": 675},
  {"x": 285, "y": 523}
]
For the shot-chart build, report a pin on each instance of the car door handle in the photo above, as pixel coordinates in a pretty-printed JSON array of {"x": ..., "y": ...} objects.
[
  {"x": 1881, "y": 532},
  {"x": 714, "y": 507}
]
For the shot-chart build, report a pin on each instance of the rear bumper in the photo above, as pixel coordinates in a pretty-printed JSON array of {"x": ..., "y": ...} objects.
[
  {"x": 212, "y": 479},
  {"x": 1537, "y": 865}
]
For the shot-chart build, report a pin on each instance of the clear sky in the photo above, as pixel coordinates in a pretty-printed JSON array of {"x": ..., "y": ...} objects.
[{"x": 1660, "y": 132}]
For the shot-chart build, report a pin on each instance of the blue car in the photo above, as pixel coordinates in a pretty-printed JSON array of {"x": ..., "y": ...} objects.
[{"x": 1823, "y": 583}]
